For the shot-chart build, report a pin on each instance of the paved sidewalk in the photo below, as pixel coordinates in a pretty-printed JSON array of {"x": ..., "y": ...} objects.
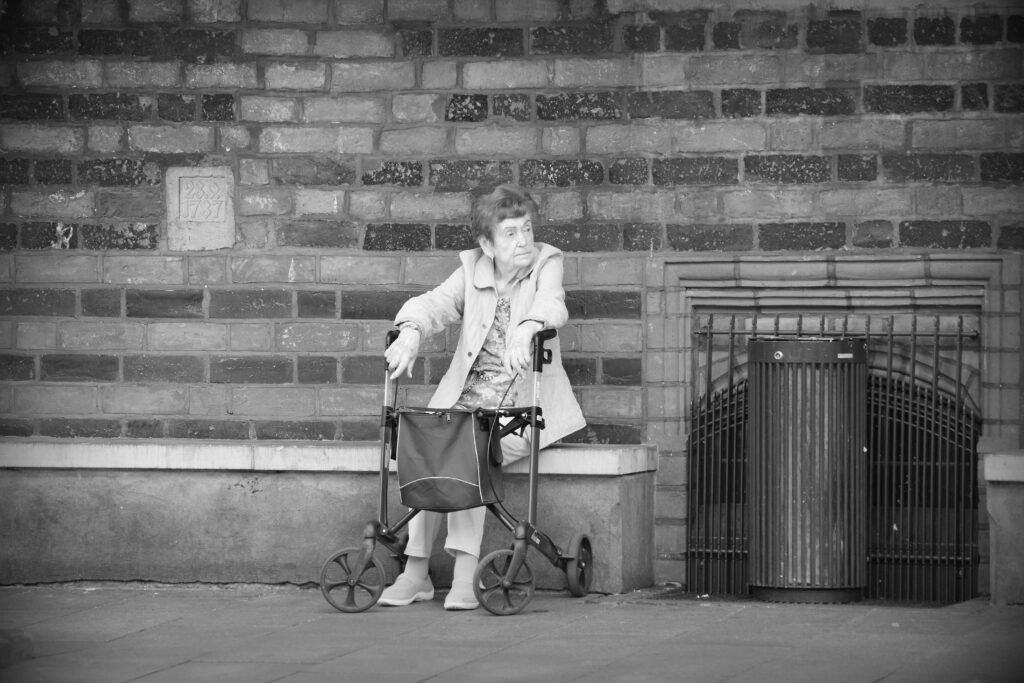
[{"x": 148, "y": 632}]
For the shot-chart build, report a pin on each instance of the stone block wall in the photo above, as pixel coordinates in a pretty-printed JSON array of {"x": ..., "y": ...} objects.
[{"x": 355, "y": 134}]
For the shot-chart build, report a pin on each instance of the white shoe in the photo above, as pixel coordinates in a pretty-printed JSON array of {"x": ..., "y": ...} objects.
[
  {"x": 405, "y": 591},
  {"x": 461, "y": 596}
]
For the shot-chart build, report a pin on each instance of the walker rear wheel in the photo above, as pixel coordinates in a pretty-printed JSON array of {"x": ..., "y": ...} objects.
[
  {"x": 580, "y": 569},
  {"x": 498, "y": 595},
  {"x": 348, "y": 587}
]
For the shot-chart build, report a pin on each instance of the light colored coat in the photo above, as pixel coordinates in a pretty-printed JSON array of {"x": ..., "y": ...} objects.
[{"x": 469, "y": 295}]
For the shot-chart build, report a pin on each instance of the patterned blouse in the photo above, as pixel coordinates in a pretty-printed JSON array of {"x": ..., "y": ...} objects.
[{"x": 488, "y": 380}]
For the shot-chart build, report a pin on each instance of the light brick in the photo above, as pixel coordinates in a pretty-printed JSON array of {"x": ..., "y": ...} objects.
[
  {"x": 993, "y": 64},
  {"x": 42, "y": 139},
  {"x": 830, "y": 68},
  {"x": 207, "y": 270},
  {"x": 275, "y": 41},
  {"x": 317, "y": 140},
  {"x": 959, "y": 134},
  {"x": 439, "y": 75},
  {"x": 214, "y": 11},
  {"x": 715, "y": 137},
  {"x": 472, "y": 10},
  {"x": 264, "y": 201},
  {"x": 793, "y": 135},
  {"x": 350, "y": 401},
  {"x": 938, "y": 200},
  {"x": 83, "y": 336},
  {"x": 863, "y": 134},
  {"x": 167, "y": 11},
  {"x": 253, "y": 171},
  {"x": 981, "y": 201},
  {"x": 319, "y": 202},
  {"x": 144, "y": 399},
  {"x": 611, "y": 402},
  {"x": 36, "y": 335},
  {"x": 560, "y": 140},
  {"x": 367, "y": 205},
  {"x": 613, "y": 337},
  {"x": 150, "y": 270},
  {"x": 186, "y": 336},
  {"x": 343, "y": 109},
  {"x": 251, "y": 337},
  {"x": 58, "y": 266},
  {"x": 51, "y": 73},
  {"x": 564, "y": 206},
  {"x": 273, "y": 269},
  {"x": 779, "y": 202},
  {"x": 295, "y": 76},
  {"x": 865, "y": 202},
  {"x": 220, "y": 75},
  {"x": 663, "y": 70},
  {"x": 269, "y": 109},
  {"x": 595, "y": 73},
  {"x": 359, "y": 11},
  {"x": 330, "y": 337},
  {"x": 635, "y": 138},
  {"x": 207, "y": 400},
  {"x": 504, "y": 75},
  {"x": 903, "y": 66},
  {"x": 273, "y": 401},
  {"x": 289, "y": 11},
  {"x": 614, "y": 271},
  {"x": 427, "y": 271},
  {"x": 653, "y": 207},
  {"x": 409, "y": 141},
  {"x": 369, "y": 76},
  {"x": 354, "y": 43},
  {"x": 234, "y": 138},
  {"x": 732, "y": 70},
  {"x": 142, "y": 74},
  {"x": 411, "y": 207},
  {"x": 171, "y": 139},
  {"x": 529, "y": 10},
  {"x": 104, "y": 139},
  {"x": 55, "y": 400},
  {"x": 495, "y": 141},
  {"x": 417, "y": 108},
  {"x": 101, "y": 12},
  {"x": 60, "y": 204},
  {"x": 422, "y": 10}
]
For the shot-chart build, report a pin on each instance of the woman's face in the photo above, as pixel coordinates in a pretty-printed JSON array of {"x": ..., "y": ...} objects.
[{"x": 511, "y": 244}]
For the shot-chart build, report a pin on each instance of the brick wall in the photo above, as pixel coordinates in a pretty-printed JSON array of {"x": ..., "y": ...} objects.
[{"x": 357, "y": 131}]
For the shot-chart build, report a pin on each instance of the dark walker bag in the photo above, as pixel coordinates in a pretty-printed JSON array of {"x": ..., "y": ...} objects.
[{"x": 448, "y": 459}]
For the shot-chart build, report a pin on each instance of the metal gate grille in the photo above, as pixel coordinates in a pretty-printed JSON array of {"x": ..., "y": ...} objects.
[{"x": 922, "y": 433}]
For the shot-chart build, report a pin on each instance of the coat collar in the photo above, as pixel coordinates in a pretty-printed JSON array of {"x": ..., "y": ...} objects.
[{"x": 483, "y": 265}]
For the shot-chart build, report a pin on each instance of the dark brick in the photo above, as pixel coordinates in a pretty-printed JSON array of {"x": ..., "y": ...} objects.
[
  {"x": 250, "y": 303},
  {"x": 602, "y": 433},
  {"x": 725, "y": 35},
  {"x": 14, "y": 171},
  {"x": 177, "y": 108},
  {"x": 840, "y": 33},
  {"x": 802, "y": 236},
  {"x": 280, "y": 430},
  {"x": 49, "y": 236},
  {"x": 371, "y": 370},
  {"x": 641, "y": 38},
  {"x": 928, "y": 167},
  {"x": 945, "y": 234},
  {"x": 560, "y": 40},
  {"x": 1002, "y": 167},
  {"x": 316, "y": 304},
  {"x": 372, "y": 305},
  {"x": 787, "y": 168},
  {"x": 684, "y": 31},
  {"x": 887, "y": 31},
  {"x": 17, "y": 368},
  {"x": 766, "y": 30},
  {"x": 113, "y": 172},
  {"x": 629, "y": 172},
  {"x": 642, "y": 237},
  {"x": 710, "y": 237},
  {"x": 560, "y": 172},
  {"x": 26, "y": 106},
  {"x": 14, "y": 427},
  {"x": 581, "y": 371},
  {"x": 516, "y": 106},
  {"x": 401, "y": 173},
  {"x": 115, "y": 106},
  {"x": 143, "y": 429},
  {"x": 45, "y": 302},
  {"x": 397, "y": 237},
  {"x": 905, "y": 99},
  {"x": 934, "y": 31},
  {"x": 741, "y": 102},
  {"x": 480, "y": 42},
  {"x": 321, "y": 234},
  {"x": 1011, "y": 237},
  {"x": 581, "y": 237},
  {"x": 207, "y": 429},
  {"x": 218, "y": 107},
  {"x": 358, "y": 430},
  {"x": 199, "y": 45},
  {"x": 671, "y": 104},
  {"x": 621, "y": 371},
  {"x": 456, "y": 175},
  {"x": 857, "y": 167},
  {"x": 52, "y": 171},
  {"x": 1015, "y": 28},
  {"x": 120, "y": 42},
  {"x": 873, "y": 235},
  {"x": 173, "y": 303},
  {"x": 79, "y": 428},
  {"x": 78, "y": 368},
  {"x": 119, "y": 236},
  {"x": 152, "y": 368},
  {"x": 695, "y": 171},
  {"x": 317, "y": 370},
  {"x": 813, "y": 101},
  {"x": 8, "y": 237},
  {"x": 101, "y": 303},
  {"x": 416, "y": 43},
  {"x": 454, "y": 237},
  {"x": 974, "y": 96},
  {"x": 312, "y": 171},
  {"x": 435, "y": 371},
  {"x": 576, "y": 106},
  {"x": 42, "y": 41},
  {"x": 1010, "y": 98},
  {"x": 251, "y": 370},
  {"x": 981, "y": 29},
  {"x": 466, "y": 108},
  {"x": 130, "y": 204},
  {"x": 596, "y": 303}
]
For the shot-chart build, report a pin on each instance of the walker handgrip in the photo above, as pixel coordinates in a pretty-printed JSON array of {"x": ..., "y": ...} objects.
[
  {"x": 542, "y": 356},
  {"x": 390, "y": 337}
]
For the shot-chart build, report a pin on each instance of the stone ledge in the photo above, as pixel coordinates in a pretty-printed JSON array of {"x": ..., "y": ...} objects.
[{"x": 1007, "y": 467}]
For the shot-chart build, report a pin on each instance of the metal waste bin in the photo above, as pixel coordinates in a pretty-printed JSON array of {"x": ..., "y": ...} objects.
[{"x": 807, "y": 467}]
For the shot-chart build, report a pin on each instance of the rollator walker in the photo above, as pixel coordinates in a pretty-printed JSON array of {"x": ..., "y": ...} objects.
[{"x": 352, "y": 579}]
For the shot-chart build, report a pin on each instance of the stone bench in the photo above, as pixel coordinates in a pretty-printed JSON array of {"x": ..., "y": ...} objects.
[{"x": 264, "y": 512}]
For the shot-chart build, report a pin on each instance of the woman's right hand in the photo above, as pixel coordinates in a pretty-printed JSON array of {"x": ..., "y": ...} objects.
[{"x": 401, "y": 355}]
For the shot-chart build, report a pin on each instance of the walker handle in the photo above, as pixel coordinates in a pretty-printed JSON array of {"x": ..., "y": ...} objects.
[
  {"x": 542, "y": 356},
  {"x": 390, "y": 337}
]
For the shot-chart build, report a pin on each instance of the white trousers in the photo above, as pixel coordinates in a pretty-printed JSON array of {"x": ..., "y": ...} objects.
[{"x": 465, "y": 527}]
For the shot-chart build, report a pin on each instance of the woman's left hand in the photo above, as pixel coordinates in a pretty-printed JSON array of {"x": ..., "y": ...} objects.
[{"x": 519, "y": 347}]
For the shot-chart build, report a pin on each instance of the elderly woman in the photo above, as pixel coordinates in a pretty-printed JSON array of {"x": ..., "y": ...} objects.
[{"x": 505, "y": 291}]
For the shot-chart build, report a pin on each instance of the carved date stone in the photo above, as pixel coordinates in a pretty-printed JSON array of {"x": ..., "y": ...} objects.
[{"x": 200, "y": 208}]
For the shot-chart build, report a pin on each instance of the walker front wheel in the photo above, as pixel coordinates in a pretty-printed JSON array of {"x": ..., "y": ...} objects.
[
  {"x": 580, "y": 569},
  {"x": 499, "y": 594},
  {"x": 349, "y": 587}
]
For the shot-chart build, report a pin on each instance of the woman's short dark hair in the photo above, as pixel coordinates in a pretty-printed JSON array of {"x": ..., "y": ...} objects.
[{"x": 506, "y": 201}]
